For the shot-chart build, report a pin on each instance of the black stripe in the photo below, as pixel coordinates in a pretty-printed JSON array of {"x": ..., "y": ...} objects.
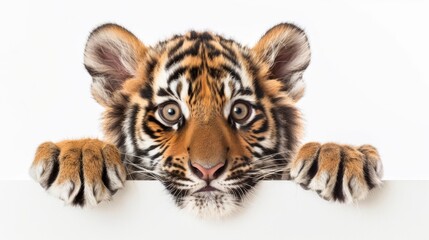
[
  {"x": 154, "y": 157},
  {"x": 116, "y": 117},
  {"x": 258, "y": 90},
  {"x": 146, "y": 92},
  {"x": 182, "y": 177},
  {"x": 314, "y": 167},
  {"x": 154, "y": 120},
  {"x": 157, "y": 155},
  {"x": 255, "y": 119},
  {"x": 287, "y": 120},
  {"x": 276, "y": 99},
  {"x": 244, "y": 164},
  {"x": 257, "y": 155},
  {"x": 253, "y": 68},
  {"x": 146, "y": 151},
  {"x": 262, "y": 129},
  {"x": 193, "y": 51},
  {"x": 245, "y": 91},
  {"x": 80, "y": 199},
  {"x": 121, "y": 140},
  {"x": 176, "y": 47},
  {"x": 190, "y": 90},
  {"x": 338, "y": 189},
  {"x": 176, "y": 36},
  {"x": 179, "y": 89},
  {"x": 192, "y": 35},
  {"x": 105, "y": 178},
  {"x": 258, "y": 145},
  {"x": 212, "y": 51},
  {"x": 55, "y": 168},
  {"x": 131, "y": 128},
  {"x": 176, "y": 74},
  {"x": 163, "y": 93},
  {"x": 205, "y": 36},
  {"x": 231, "y": 53},
  {"x": 232, "y": 72},
  {"x": 168, "y": 161},
  {"x": 178, "y": 166},
  {"x": 138, "y": 154},
  {"x": 231, "y": 59},
  {"x": 214, "y": 72},
  {"x": 194, "y": 72},
  {"x": 150, "y": 68},
  {"x": 222, "y": 89},
  {"x": 367, "y": 176},
  {"x": 151, "y": 132},
  {"x": 259, "y": 138}
]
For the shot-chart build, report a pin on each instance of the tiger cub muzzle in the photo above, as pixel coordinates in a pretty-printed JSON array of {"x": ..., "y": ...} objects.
[{"x": 213, "y": 151}]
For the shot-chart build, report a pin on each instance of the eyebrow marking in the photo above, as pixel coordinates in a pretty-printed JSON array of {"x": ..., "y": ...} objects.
[
  {"x": 244, "y": 91},
  {"x": 162, "y": 92},
  {"x": 176, "y": 74}
]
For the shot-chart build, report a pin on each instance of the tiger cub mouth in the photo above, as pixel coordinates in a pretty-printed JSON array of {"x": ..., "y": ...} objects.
[{"x": 207, "y": 188}]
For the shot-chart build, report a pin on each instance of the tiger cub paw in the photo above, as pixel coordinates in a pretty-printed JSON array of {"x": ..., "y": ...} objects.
[
  {"x": 80, "y": 172},
  {"x": 337, "y": 172}
]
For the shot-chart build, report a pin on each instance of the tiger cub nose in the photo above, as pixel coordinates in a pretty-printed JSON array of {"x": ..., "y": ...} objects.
[{"x": 207, "y": 173}]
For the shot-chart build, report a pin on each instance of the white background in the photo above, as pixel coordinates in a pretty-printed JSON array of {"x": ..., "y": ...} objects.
[
  {"x": 367, "y": 82},
  {"x": 278, "y": 210}
]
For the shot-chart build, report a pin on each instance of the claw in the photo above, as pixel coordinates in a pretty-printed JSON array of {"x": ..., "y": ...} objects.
[
  {"x": 83, "y": 172},
  {"x": 337, "y": 172}
]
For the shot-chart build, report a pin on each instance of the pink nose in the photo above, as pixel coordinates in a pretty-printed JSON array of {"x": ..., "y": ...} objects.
[{"x": 207, "y": 173}]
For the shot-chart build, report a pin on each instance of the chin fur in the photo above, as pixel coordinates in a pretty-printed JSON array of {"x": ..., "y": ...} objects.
[{"x": 210, "y": 205}]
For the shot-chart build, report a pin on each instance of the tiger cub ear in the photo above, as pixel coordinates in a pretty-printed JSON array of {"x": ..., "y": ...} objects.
[
  {"x": 286, "y": 50},
  {"x": 112, "y": 56}
]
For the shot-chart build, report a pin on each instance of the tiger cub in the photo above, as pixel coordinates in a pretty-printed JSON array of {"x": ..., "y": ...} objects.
[{"x": 207, "y": 117}]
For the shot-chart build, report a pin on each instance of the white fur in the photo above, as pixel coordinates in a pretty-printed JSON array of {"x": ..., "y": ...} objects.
[
  {"x": 101, "y": 194},
  {"x": 320, "y": 182},
  {"x": 183, "y": 95},
  {"x": 286, "y": 40},
  {"x": 298, "y": 85},
  {"x": 98, "y": 89},
  {"x": 296, "y": 174},
  {"x": 379, "y": 169},
  {"x": 211, "y": 210},
  {"x": 36, "y": 171},
  {"x": 40, "y": 172},
  {"x": 162, "y": 76},
  {"x": 129, "y": 147},
  {"x": 110, "y": 41},
  {"x": 116, "y": 182},
  {"x": 62, "y": 191},
  {"x": 359, "y": 190}
]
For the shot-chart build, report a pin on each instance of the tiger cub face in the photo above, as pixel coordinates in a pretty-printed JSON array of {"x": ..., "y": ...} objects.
[{"x": 205, "y": 115}]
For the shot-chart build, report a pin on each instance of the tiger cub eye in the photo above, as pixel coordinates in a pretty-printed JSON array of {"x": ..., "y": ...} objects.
[
  {"x": 170, "y": 112},
  {"x": 240, "y": 111}
]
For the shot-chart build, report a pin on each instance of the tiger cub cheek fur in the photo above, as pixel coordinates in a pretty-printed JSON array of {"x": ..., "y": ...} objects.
[{"x": 203, "y": 75}]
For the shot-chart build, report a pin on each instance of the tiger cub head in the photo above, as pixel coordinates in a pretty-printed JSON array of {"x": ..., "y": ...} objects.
[{"x": 203, "y": 114}]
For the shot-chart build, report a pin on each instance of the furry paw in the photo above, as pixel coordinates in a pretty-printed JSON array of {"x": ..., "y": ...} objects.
[
  {"x": 337, "y": 172},
  {"x": 80, "y": 172}
]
